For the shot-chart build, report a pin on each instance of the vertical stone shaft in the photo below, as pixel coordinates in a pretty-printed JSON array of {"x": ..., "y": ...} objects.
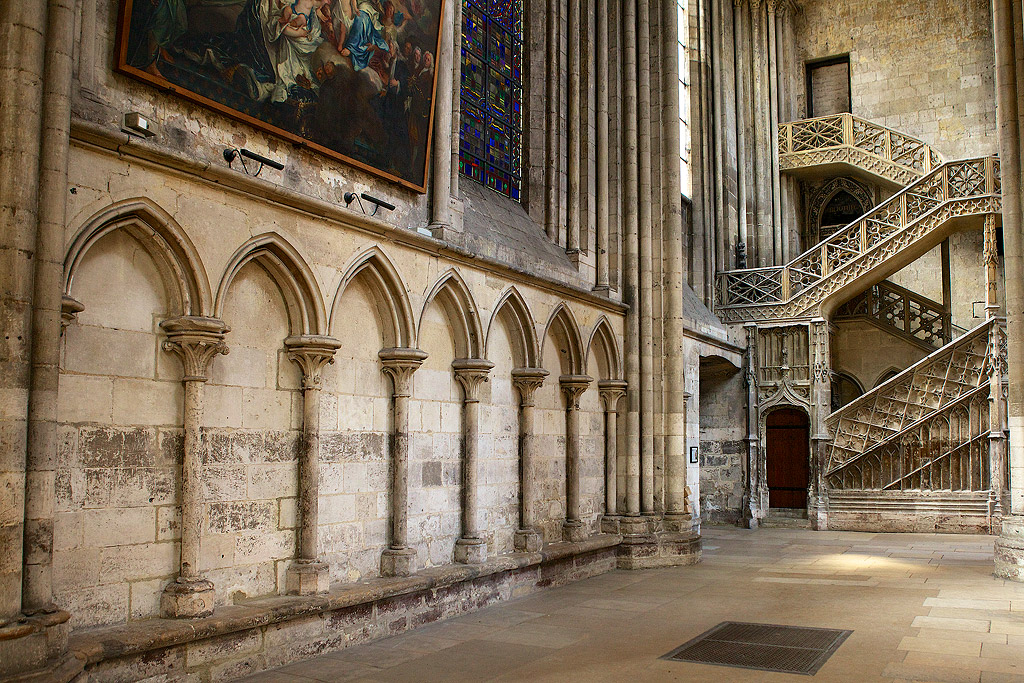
[
  {"x": 399, "y": 364},
  {"x": 470, "y": 374},
  {"x": 761, "y": 123},
  {"x": 740, "y": 45},
  {"x": 672, "y": 255},
  {"x": 821, "y": 401},
  {"x": 456, "y": 96},
  {"x": 1008, "y": 112},
  {"x": 631, "y": 274},
  {"x": 441, "y": 188},
  {"x": 751, "y": 494},
  {"x": 645, "y": 261},
  {"x": 527, "y": 381},
  {"x": 551, "y": 143},
  {"x": 601, "y": 220},
  {"x": 611, "y": 391},
  {"x": 573, "y": 387},
  {"x": 996, "y": 407},
  {"x": 574, "y": 121},
  {"x": 774, "y": 88},
  {"x": 196, "y": 341},
  {"x": 22, "y": 30},
  {"x": 312, "y": 354},
  {"x": 46, "y": 310},
  {"x": 716, "y": 77}
]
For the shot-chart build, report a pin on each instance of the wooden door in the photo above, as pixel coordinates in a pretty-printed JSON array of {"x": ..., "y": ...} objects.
[{"x": 788, "y": 458}]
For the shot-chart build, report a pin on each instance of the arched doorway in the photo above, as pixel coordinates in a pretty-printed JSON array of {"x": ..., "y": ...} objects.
[{"x": 788, "y": 458}]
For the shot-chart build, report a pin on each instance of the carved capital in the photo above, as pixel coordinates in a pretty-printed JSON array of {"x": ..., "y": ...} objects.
[
  {"x": 196, "y": 340},
  {"x": 471, "y": 373},
  {"x": 312, "y": 353},
  {"x": 573, "y": 387},
  {"x": 739, "y": 3},
  {"x": 69, "y": 310},
  {"x": 778, "y": 6},
  {"x": 527, "y": 381},
  {"x": 399, "y": 364},
  {"x": 611, "y": 391}
]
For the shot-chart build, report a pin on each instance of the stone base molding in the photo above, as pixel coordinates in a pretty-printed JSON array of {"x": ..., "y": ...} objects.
[
  {"x": 471, "y": 550},
  {"x": 398, "y": 562},
  {"x": 306, "y": 577},
  {"x": 261, "y": 634},
  {"x": 649, "y": 542},
  {"x": 528, "y": 541},
  {"x": 1009, "y": 549},
  {"x": 34, "y": 648},
  {"x": 187, "y": 599}
]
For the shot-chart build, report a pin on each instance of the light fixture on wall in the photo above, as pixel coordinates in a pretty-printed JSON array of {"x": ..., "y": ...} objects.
[
  {"x": 377, "y": 203},
  {"x": 232, "y": 153},
  {"x": 135, "y": 123}
]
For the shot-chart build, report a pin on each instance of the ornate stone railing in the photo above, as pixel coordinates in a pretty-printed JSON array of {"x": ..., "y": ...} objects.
[
  {"x": 927, "y": 427},
  {"x": 845, "y": 138},
  {"x": 900, "y": 311},
  {"x": 910, "y": 218}
]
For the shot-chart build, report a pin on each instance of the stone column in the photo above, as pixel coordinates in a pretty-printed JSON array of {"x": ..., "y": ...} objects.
[
  {"x": 574, "y": 121},
  {"x": 196, "y": 340},
  {"x": 441, "y": 162},
  {"x": 751, "y": 495},
  {"x": 762, "y": 137},
  {"x": 309, "y": 574},
  {"x": 399, "y": 364},
  {"x": 551, "y": 139},
  {"x": 776, "y": 8},
  {"x": 526, "y": 382},
  {"x": 742, "y": 46},
  {"x": 611, "y": 391},
  {"x": 821, "y": 405},
  {"x": 602, "y": 283},
  {"x": 470, "y": 373},
  {"x": 573, "y": 387}
]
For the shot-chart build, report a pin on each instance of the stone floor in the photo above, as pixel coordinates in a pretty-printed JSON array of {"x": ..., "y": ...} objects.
[{"x": 922, "y": 607}]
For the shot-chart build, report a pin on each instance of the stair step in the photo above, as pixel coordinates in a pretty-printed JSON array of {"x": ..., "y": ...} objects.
[{"x": 786, "y": 518}]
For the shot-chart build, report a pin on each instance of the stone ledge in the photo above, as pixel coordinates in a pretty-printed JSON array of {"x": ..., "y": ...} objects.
[{"x": 142, "y": 637}]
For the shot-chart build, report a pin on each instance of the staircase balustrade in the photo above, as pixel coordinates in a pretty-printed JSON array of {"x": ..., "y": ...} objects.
[{"x": 902, "y": 312}]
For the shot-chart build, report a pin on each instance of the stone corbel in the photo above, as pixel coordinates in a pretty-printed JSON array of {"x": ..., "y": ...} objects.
[
  {"x": 69, "y": 310},
  {"x": 309, "y": 574},
  {"x": 196, "y": 340}
]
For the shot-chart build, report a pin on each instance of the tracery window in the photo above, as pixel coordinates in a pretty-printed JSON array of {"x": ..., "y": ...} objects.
[{"x": 490, "y": 149}]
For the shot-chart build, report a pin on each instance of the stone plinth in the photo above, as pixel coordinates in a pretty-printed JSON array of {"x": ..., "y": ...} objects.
[
  {"x": 187, "y": 599},
  {"x": 307, "y": 578},
  {"x": 649, "y": 542},
  {"x": 1009, "y": 549},
  {"x": 471, "y": 550},
  {"x": 398, "y": 562},
  {"x": 528, "y": 541}
]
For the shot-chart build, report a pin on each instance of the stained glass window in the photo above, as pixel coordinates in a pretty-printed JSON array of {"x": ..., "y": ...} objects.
[{"x": 490, "y": 150}]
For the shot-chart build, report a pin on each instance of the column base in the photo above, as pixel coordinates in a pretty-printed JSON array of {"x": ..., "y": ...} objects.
[
  {"x": 471, "y": 551},
  {"x": 398, "y": 562},
  {"x": 34, "y": 648},
  {"x": 1009, "y": 549},
  {"x": 610, "y": 524},
  {"x": 649, "y": 542},
  {"x": 307, "y": 577},
  {"x": 574, "y": 531},
  {"x": 677, "y": 522},
  {"x": 528, "y": 541},
  {"x": 187, "y": 599}
]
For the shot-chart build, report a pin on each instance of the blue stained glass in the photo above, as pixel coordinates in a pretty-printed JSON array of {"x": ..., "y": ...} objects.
[{"x": 490, "y": 150}]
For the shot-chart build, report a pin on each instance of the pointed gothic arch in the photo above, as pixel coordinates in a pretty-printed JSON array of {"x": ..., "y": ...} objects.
[
  {"x": 513, "y": 310},
  {"x": 390, "y": 296},
  {"x": 284, "y": 264},
  {"x": 607, "y": 350},
  {"x": 453, "y": 295},
  {"x": 565, "y": 334},
  {"x": 163, "y": 239}
]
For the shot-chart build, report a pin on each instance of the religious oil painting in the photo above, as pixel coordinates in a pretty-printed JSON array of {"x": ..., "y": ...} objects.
[{"x": 354, "y": 79}]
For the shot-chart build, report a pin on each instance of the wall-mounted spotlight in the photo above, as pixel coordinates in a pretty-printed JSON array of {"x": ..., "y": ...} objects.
[
  {"x": 377, "y": 203},
  {"x": 232, "y": 153},
  {"x": 135, "y": 123}
]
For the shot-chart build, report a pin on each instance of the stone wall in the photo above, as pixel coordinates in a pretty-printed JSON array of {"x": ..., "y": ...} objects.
[
  {"x": 922, "y": 68},
  {"x": 722, "y": 443}
]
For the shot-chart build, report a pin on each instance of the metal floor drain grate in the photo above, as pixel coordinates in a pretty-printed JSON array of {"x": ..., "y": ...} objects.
[{"x": 767, "y": 647}]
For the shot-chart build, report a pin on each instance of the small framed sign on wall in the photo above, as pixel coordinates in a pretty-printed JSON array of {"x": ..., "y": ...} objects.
[{"x": 694, "y": 455}]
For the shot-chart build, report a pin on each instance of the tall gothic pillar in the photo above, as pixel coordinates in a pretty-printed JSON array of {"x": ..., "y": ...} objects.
[
  {"x": 309, "y": 574},
  {"x": 399, "y": 364},
  {"x": 573, "y": 387},
  {"x": 821, "y": 404},
  {"x": 196, "y": 340},
  {"x": 471, "y": 548},
  {"x": 526, "y": 382},
  {"x": 751, "y": 491},
  {"x": 611, "y": 391}
]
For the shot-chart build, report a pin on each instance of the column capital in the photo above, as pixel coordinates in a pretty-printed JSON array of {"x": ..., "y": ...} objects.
[
  {"x": 471, "y": 373},
  {"x": 573, "y": 387},
  {"x": 739, "y": 3},
  {"x": 611, "y": 391},
  {"x": 69, "y": 310},
  {"x": 312, "y": 353},
  {"x": 756, "y": 4},
  {"x": 196, "y": 340},
  {"x": 399, "y": 364},
  {"x": 527, "y": 381},
  {"x": 778, "y": 6}
]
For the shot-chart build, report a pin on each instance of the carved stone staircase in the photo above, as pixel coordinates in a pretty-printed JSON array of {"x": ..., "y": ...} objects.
[
  {"x": 901, "y": 229},
  {"x": 900, "y": 312},
  {"x": 822, "y": 144},
  {"x": 928, "y": 442}
]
